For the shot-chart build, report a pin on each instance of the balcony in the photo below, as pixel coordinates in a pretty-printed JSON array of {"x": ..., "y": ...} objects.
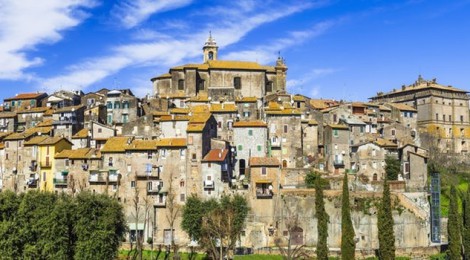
[
  {"x": 64, "y": 120},
  {"x": 275, "y": 142},
  {"x": 160, "y": 201},
  {"x": 338, "y": 163},
  {"x": 32, "y": 182},
  {"x": 154, "y": 187},
  {"x": 33, "y": 166},
  {"x": 153, "y": 174},
  {"x": 60, "y": 182},
  {"x": 97, "y": 178},
  {"x": 264, "y": 191}
]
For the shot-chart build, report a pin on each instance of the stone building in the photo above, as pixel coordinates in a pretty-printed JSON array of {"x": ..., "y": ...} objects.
[
  {"x": 221, "y": 80},
  {"x": 249, "y": 139},
  {"x": 8, "y": 121},
  {"x": 63, "y": 98},
  {"x": 30, "y": 117},
  {"x": 23, "y": 100},
  {"x": 442, "y": 111},
  {"x": 336, "y": 148},
  {"x": 216, "y": 169},
  {"x": 122, "y": 107},
  {"x": 68, "y": 120}
]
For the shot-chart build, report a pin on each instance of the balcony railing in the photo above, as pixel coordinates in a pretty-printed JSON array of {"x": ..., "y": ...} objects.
[
  {"x": 208, "y": 184},
  {"x": 32, "y": 183},
  {"x": 338, "y": 163},
  {"x": 60, "y": 182},
  {"x": 264, "y": 194},
  {"x": 160, "y": 202}
]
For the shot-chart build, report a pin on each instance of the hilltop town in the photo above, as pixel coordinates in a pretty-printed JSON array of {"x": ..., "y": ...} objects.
[{"x": 230, "y": 127}]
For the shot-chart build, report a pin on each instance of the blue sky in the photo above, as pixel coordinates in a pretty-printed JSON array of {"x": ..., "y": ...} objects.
[{"x": 347, "y": 49}]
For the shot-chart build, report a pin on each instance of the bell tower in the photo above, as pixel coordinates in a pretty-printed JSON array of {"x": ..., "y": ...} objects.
[{"x": 210, "y": 49}]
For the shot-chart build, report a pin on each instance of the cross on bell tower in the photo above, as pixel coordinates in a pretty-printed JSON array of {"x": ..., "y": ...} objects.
[{"x": 210, "y": 49}]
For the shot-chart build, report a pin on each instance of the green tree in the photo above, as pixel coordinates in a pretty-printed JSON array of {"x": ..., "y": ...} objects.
[
  {"x": 466, "y": 224},
  {"x": 453, "y": 227},
  {"x": 392, "y": 167},
  {"x": 385, "y": 225},
  {"x": 100, "y": 227},
  {"x": 322, "y": 220},
  {"x": 348, "y": 245},
  {"x": 216, "y": 225}
]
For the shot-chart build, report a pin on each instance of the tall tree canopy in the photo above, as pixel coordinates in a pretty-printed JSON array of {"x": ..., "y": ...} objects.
[
  {"x": 348, "y": 245},
  {"x": 392, "y": 167},
  {"x": 453, "y": 226},
  {"x": 322, "y": 220},
  {"x": 385, "y": 225}
]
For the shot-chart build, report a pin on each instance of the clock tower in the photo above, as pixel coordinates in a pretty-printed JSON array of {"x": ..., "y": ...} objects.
[{"x": 210, "y": 49}]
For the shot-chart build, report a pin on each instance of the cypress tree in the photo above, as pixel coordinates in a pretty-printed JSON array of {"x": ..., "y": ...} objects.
[
  {"x": 385, "y": 225},
  {"x": 322, "y": 221},
  {"x": 453, "y": 227},
  {"x": 466, "y": 225},
  {"x": 348, "y": 246}
]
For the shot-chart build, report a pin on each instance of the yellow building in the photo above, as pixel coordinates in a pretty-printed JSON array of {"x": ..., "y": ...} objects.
[{"x": 47, "y": 150}]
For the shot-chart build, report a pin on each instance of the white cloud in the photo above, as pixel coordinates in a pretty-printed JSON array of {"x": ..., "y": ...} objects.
[
  {"x": 131, "y": 13},
  {"x": 27, "y": 23},
  {"x": 165, "y": 52},
  {"x": 304, "y": 84},
  {"x": 268, "y": 53}
]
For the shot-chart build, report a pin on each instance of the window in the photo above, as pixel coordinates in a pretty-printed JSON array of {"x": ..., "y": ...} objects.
[
  {"x": 250, "y": 132},
  {"x": 132, "y": 184},
  {"x": 117, "y": 104},
  {"x": 182, "y": 197},
  {"x": 246, "y": 113},
  {"x": 240, "y": 147},
  {"x": 285, "y": 129},
  {"x": 6, "y": 156},
  {"x": 393, "y": 132},
  {"x": 109, "y": 105},
  {"x": 229, "y": 125},
  {"x": 444, "y": 118},
  {"x": 335, "y": 132},
  {"x": 44, "y": 176},
  {"x": 149, "y": 186},
  {"x": 182, "y": 183},
  {"x": 263, "y": 170},
  {"x": 201, "y": 85},
  {"x": 181, "y": 84},
  {"x": 461, "y": 119},
  {"x": 269, "y": 86},
  {"x": 219, "y": 124},
  {"x": 125, "y": 104},
  {"x": 110, "y": 161},
  {"x": 259, "y": 147},
  {"x": 100, "y": 130},
  {"x": 7, "y": 144},
  {"x": 194, "y": 157},
  {"x": 437, "y": 117},
  {"x": 211, "y": 55},
  {"x": 163, "y": 153},
  {"x": 209, "y": 165},
  {"x": 450, "y": 118},
  {"x": 237, "y": 82},
  {"x": 182, "y": 152},
  {"x": 66, "y": 162},
  {"x": 110, "y": 119}
]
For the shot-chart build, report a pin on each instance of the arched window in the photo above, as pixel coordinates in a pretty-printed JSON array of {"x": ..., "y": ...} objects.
[
  {"x": 237, "y": 82},
  {"x": 284, "y": 163},
  {"x": 374, "y": 177},
  {"x": 211, "y": 55}
]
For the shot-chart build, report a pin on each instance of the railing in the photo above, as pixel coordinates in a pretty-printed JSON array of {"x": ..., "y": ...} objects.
[
  {"x": 338, "y": 163},
  {"x": 97, "y": 178},
  {"x": 264, "y": 195},
  {"x": 60, "y": 182},
  {"x": 160, "y": 202}
]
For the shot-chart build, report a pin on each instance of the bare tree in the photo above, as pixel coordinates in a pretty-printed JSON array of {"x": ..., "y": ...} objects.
[{"x": 172, "y": 212}]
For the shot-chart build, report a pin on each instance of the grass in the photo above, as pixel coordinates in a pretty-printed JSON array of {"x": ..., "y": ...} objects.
[
  {"x": 258, "y": 257},
  {"x": 460, "y": 180},
  {"x": 147, "y": 255}
]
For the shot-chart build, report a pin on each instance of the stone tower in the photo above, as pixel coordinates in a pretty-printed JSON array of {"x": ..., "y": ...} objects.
[
  {"x": 210, "y": 49},
  {"x": 281, "y": 72}
]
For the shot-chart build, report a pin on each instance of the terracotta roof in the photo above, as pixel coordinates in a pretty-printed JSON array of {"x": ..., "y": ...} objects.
[
  {"x": 299, "y": 98},
  {"x": 4, "y": 134},
  {"x": 246, "y": 100},
  {"x": 26, "y": 96},
  {"x": 49, "y": 112},
  {"x": 195, "y": 128},
  {"x": 215, "y": 155},
  {"x": 312, "y": 122},
  {"x": 200, "y": 118},
  {"x": 179, "y": 111},
  {"x": 322, "y": 103},
  {"x": 420, "y": 84},
  {"x": 178, "y": 95},
  {"x": 264, "y": 161},
  {"x": 250, "y": 124},
  {"x": 385, "y": 143},
  {"x": 335, "y": 126},
  {"x": 358, "y": 104},
  {"x": 285, "y": 111},
  {"x": 80, "y": 153},
  {"x": 29, "y": 132},
  {"x": 36, "y": 140},
  {"x": 115, "y": 144},
  {"x": 68, "y": 109},
  {"x": 223, "y": 108},
  {"x": 402, "y": 107},
  {"x": 174, "y": 118},
  {"x": 64, "y": 154},
  {"x": 81, "y": 134},
  {"x": 171, "y": 142},
  {"x": 160, "y": 113},
  {"x": 142, "y": 145},
  {"x": 199, "y": 98},
  {"x": 203, "y": 66},
  {"x": 33, "y": 110},
  {"x": 384, "y": 108},
  {"x": 166, "y": 75},
  {"x": 225, "y": 64},
  {"x": 7, "y": 114},
  {"x": 47, "y": 122},
  {"x": 200, "y": 109},
  {"x": 53, "y": 140}
]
